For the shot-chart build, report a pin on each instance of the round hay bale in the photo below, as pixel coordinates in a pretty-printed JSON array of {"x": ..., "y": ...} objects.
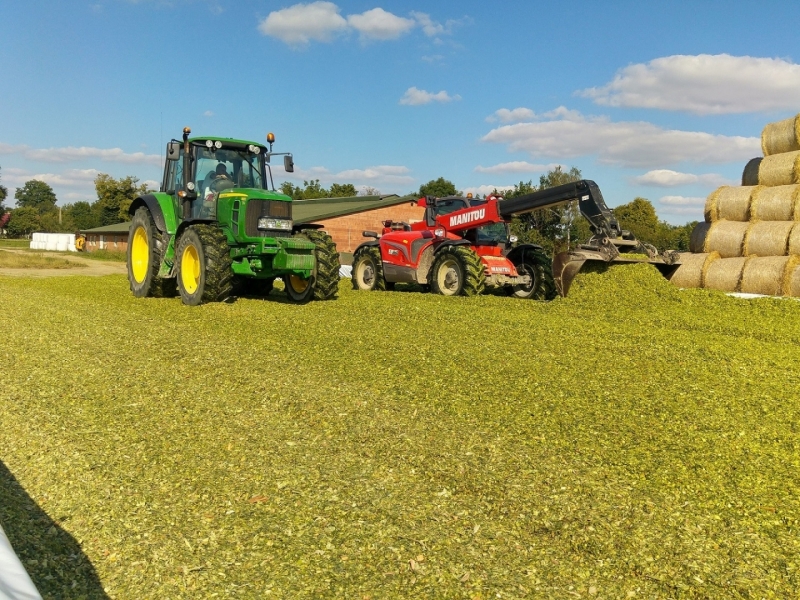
[
  {"x": 779, "y": 203},
  {"x": 733, "y": 203},
  {"x": 710, "y": 210},
  {"x": 690, "y": 273},
  {"x": 750, "y": 173},
  {"x": 727, "y": 238},
  {"x": 793, "y": 282},
  {"x": 725, "y": 274},
  {"x": 794, "y": 240},
  {"x": 768, "y": 238},
  {"x": 698, "y": 239},
  {"x": 780, "y": 169},
  {"x": 781, "y": 136},
  {"x": 766, "y": 275}
]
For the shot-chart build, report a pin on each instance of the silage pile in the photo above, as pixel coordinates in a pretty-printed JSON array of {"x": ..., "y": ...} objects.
[{"x": 750, "y": 239}]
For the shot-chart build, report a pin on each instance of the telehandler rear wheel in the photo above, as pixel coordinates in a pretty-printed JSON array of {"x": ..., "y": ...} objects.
[
  {"x": 368, "y": 270},
  {"x": 145, "y": 248},
  {"x": 204, "y": 265},
  {"x": 457, "y": 271}
]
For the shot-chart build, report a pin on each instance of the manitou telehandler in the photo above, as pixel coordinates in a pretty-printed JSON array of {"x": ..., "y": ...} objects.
[
  {"x": 218, "y": 224},
  {"x": 463, "y": 245}
]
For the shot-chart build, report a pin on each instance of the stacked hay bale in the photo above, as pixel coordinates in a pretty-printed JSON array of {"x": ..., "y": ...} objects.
[{"x": 750, "y": 239}]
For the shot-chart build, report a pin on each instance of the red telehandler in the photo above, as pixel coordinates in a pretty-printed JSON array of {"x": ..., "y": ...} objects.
[{"x": 463, "y": 245}]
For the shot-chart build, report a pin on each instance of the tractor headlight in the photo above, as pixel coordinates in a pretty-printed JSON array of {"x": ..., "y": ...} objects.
[
  {"x": 439, "y": 232},
  {"x": 190, "y": 186},
  {"x": 266, "y": 223}
]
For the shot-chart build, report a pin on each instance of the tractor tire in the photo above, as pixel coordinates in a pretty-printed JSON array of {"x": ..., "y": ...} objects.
[
  {"x": 457, "y": 271},
  {"x": 326, "y": 270},
  {"x": 146, "y": 245},
  {"x": 540, "y": 268},
  {"x": 204, "y": 265},
  {"x": 368, "y": 270},
  {"x": 299, "y": 290}
]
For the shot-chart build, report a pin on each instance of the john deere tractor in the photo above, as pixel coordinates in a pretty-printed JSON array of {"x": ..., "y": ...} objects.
[{"x": 218, "y": 228}]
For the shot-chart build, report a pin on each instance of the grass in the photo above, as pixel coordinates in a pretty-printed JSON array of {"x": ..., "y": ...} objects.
[
  {"x": 632, "y": 440},
  {"x": 37, "y": 260},
  {"x": 7, "y": 243}
]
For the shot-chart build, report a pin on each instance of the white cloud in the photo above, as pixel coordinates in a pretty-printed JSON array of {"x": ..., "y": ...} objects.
[
  {"x": 416, "y": 97},
  {"x": 517, "y": 166},
  {"x": 378, "y": 24},
  {"x": 704, "y": 84},
  {"x": 682, "y": 200},
  {"x": 568, "y": 134},
  {"x": 302, "y": 23},
  {"x": 387, "y": 175},
  {"x": 433, "y": 28},
  {"x": 72, "y": 154},
  {"x": 669, "y": 178},
  {"x": 505, "y": 115},
  {"x": 208, "y": 113}
]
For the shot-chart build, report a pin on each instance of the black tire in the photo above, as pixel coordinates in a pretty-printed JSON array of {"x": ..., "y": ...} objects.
[
  {"x": 146, "y": 246},
  {"x": 539, "y": 267},
  {"x": 204, "y": 265},
  {"x": 457, "y": 271},
  {"x": 326, "y": 265},
  {"x": 298, "y": 289},
  {"x": 368, "y": 269}
]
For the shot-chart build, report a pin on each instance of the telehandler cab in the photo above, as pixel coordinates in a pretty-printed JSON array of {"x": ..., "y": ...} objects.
[
  {"x": 464, "y": 245},
  {"x": 218, "y": 225}
]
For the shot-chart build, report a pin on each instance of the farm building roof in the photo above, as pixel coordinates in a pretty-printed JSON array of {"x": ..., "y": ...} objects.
[{"x": 307, "y": 211}]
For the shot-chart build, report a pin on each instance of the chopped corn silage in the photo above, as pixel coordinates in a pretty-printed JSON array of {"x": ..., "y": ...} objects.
[
  {"x": 781, "y": 136},
  {"x": 725, "y": 274},
  {"x": 768, "y": 238},
  {"x": 780, "y": 169},
  {"x": 727, "y": 238},
  {"x": 779, "y": 203},
  {"x": 632, "y": 437}
]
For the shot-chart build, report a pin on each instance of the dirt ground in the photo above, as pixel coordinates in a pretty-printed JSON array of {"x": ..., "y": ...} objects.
[{"x": 93, "y": 268}]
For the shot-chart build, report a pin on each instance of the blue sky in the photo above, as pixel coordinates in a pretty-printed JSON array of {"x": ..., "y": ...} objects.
[{"x": 664, "y": 100}]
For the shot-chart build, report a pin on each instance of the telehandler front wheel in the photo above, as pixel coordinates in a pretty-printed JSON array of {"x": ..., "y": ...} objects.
[
  {"x": 457, "y": 271},
  {"x": 204, "y": 265},
  {"x": 368, "y": 269},
  {"x": 298, "y": 289},
  {"x": 539, "y": 268}
]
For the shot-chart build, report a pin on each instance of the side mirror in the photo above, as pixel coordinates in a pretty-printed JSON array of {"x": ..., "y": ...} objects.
[
  {"x": 371, "y": 234},
  {"x": 288, "y": 163},
  {"x": 173, "y": 150}
]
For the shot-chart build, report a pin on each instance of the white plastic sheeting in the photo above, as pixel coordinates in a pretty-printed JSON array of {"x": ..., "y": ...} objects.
[
  {"x": 15, "y": 583},
  {"x": 62, "y": 242},
  {"x": 345, "y": 271}
]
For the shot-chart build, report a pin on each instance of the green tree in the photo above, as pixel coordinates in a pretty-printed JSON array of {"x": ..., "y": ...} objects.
[
  {"x": 114, "y": 197},
  {"x": 81, "y": 215},
  {"x": 342, "y": 190},
  {"x": 3, "y": 196},
  {"x": 439, "y": 188},
  {"x": 37, "y": 195},
  {"x": 24, "y": 221},
  {"x": 639, "y": 217}
]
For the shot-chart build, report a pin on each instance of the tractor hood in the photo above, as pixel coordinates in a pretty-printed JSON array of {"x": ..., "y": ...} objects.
[{"x": 254, "y": 194}]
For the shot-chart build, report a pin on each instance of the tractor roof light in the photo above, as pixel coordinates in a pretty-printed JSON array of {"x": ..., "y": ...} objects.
[
  {"x": 209, "y": 144},
  {"x": 190, "y": 186},
  {"x": 218, "y": 144},
  {"x": 254, "y": 149}
]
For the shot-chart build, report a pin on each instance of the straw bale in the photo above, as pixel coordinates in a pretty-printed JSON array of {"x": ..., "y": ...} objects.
[
  {"x": 750, "y": 173},
  {"x": 780, "y": 169},
  {"x": 793, "y": 282},
  {"x": 710, "y": 211},
  {"x": 727, "y": 238},
  {"x": 794, "y": 240},
  {"x": 779, "y": 203},
  {"x": 725, "y": 274},
  {"x": 769, "y": 275},
  {"x": 733, "y": 203},
  {"x": 768, "y": 238},
  {"x": 698, "y": 239},
  {"x": 690, "y": 273},
  {"x": 781, "y": 136}
]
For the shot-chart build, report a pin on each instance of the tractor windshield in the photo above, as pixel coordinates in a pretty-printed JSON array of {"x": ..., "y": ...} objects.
[{"x": 219, "y": 169}]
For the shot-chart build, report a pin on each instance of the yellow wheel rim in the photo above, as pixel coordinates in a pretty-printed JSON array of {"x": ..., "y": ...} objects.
[
  {"x": 140, "y": 255},
  {"x": 190, "y": 269},
  {"x": 299, "y": 284}
]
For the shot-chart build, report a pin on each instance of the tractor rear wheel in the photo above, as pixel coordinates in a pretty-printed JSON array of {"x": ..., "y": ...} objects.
[
  {"x": 539, "y": 267},
  {"x": 204, "y": 265},
  {"x": 326, "y": 265},
  {"x": 457, "y": 271},
  {"x": 368, "y": 269},
  {"x": 145, "y": 248},
  {"x": 298, "y": 289}
]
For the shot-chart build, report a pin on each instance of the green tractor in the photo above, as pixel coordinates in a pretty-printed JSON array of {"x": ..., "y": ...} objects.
[{"x": 218, "y": 228}]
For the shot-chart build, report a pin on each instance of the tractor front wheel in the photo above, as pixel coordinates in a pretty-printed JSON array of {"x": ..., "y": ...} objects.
[
  {"x": 145, "y": 248},
  {"x": 368, "y": 269},
  {"x": 457, "y": 271},
  {"x": 204, "y": 265}
]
